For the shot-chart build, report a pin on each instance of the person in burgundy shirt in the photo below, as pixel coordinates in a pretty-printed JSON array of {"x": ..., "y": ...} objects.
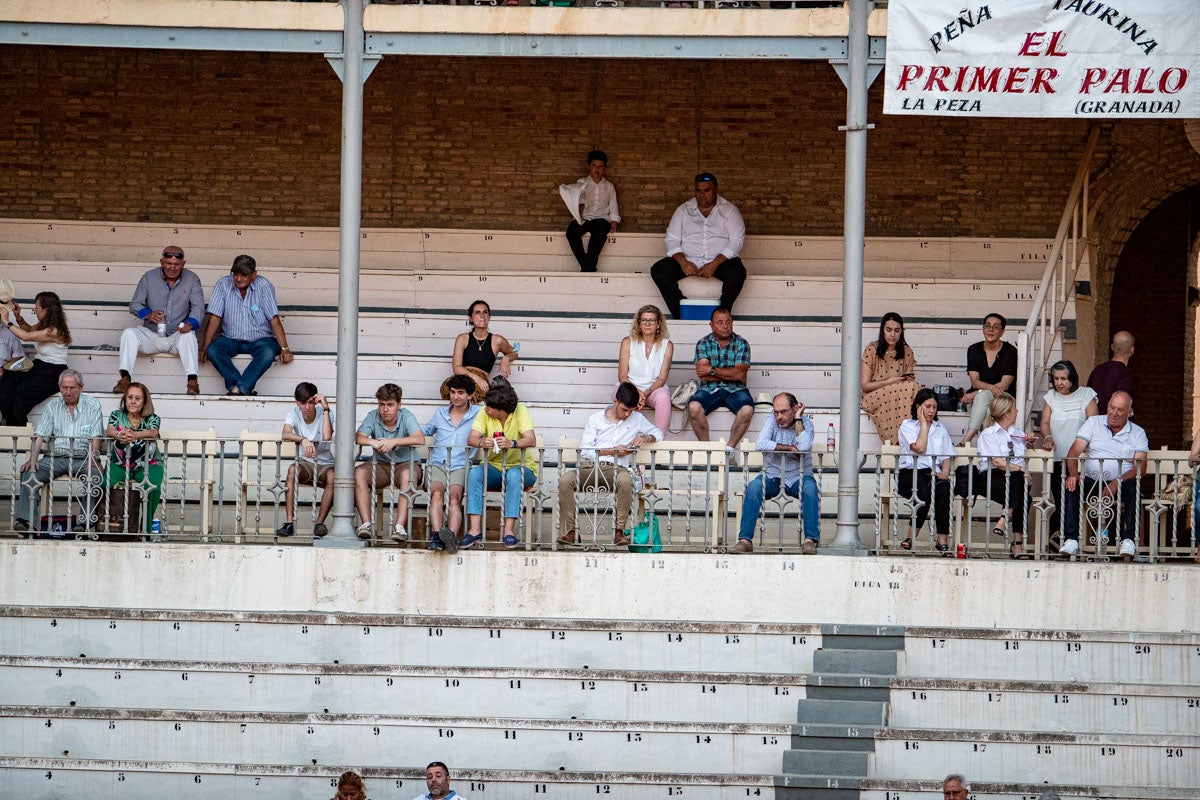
[{"x": 1113, "y": 375}]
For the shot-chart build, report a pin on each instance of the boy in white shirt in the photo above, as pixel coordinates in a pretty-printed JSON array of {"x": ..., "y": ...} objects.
[
  {"x": 598, "y": 213},
  {"x": 310, "y": 425}
]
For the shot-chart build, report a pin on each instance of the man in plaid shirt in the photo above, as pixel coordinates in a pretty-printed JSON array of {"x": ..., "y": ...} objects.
[{"x": 722, "y": 361}]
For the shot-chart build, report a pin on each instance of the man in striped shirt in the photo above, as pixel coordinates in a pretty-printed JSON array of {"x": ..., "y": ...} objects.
[
  {"x": 242, "y": 308},
  {"x": 72, "y": 423}
]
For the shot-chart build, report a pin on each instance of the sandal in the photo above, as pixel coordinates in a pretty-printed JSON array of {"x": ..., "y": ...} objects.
[
  {"x": 1021, "y": 556},
  {"x": 941, "y": 547},
  {"x": 906, "y": 544},
  {"x": 1001, "y": 527}
]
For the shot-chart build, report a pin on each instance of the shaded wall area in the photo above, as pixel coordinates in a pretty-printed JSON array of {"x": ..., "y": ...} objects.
[{"x": 472, "y": 142}]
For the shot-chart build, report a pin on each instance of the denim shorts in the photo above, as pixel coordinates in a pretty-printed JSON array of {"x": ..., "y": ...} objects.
[{"x": 733, "y": 399}]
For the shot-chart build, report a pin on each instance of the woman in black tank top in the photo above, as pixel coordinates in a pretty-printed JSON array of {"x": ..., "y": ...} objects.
[{"x": 480, "y": 348}]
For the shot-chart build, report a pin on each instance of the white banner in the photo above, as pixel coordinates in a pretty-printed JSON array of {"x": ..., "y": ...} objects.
[{"x": 1044, "y": 58}]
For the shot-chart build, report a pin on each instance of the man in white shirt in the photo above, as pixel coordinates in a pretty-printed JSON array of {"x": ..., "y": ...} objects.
[
  {"x": 437, "y": 781},
  {"x": 704, "y": 238},
  {"x": 1113, "y": 451},
  {"x": 597, "y": 210},
  {"x": 609, "y": 440},
  {"x": 309, "y": 424},
  {"x": 787, "y": 439}
]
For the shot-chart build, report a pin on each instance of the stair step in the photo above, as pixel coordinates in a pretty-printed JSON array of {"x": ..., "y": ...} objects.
[
  {"x": 816, "y": 787},
  {"x": 864, "y": 662},
  {"x": 862, "y": 637},
  {"x": 827, "y": 762},
  {"x": 848, "y": 712}
]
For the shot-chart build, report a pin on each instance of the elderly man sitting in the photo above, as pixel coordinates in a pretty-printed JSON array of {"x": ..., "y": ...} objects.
[
  {"x": 609, "y": 440},
  {"x": 73, "y": 422},
  {"x": 1113, "y": 451}
]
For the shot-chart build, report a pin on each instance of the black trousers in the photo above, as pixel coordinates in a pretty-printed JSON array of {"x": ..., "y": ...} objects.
[
  {"x": 1008, "y": 491},
  {"x": 927, "y": 485},
  {"x": 21, "y": 391},
  {"x": 599, "y": 229},
  {"x": 667, "y": 274}
]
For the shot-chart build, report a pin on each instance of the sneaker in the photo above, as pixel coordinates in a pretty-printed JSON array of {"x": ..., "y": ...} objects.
[
  {"x": 364, "y": 531},
  {"x": 320, "y": 530},
  {"x": 731, "y": 457},
  {"x": 1128, "y": 549},
  {"x": 511, "y": 542},
  {"x": 400, "y": 534},
  {"x": 435, "y": 543},
  {"x": 621, "y": 539},
  {"x": 1069, "y": 547},
  {"x": 286, "y": 529},
  {"x": 742, "y": 546},
  {"x": 21, "y": 526},
  {"x": 809, "y": 547},
  {"x": 122, "y": 385},
  {"x": 569, "y": 539},
  {"x": 469, "y": 540},
  {"x": 193, "y": 386},
  {"x": 449, "y": 540}
]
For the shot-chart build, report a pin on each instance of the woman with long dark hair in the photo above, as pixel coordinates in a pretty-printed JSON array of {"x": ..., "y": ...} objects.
[
  {"x": 888, "y": 378},
  {"x": 21, "y": 391}
]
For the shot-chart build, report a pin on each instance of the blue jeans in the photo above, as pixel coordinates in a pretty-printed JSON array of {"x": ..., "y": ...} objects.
[
  {"x": 1195, "y": 518},
  {"x": 262, "y": 352},
  {"x": 514, "y": 480},
  {"x": 1091, "y": 489},
  {"x": 764, "y": 487}
]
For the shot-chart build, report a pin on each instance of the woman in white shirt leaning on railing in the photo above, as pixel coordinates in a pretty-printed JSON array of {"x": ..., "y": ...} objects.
[
  {"x": 1067, "y": 405},
  {"x": 1002, "y": 470},
  {"x": 926, "y": 453}
]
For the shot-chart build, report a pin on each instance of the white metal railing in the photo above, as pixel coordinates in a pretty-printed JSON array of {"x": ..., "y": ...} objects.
[
  {"x": 234, "y": 490},
  {"x": 1037, "y": 342}
]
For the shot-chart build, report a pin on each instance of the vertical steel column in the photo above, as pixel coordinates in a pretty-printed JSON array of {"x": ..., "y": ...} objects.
[
  {"x": 854, "y": 223},
  {"x": 348, "y": 252}
]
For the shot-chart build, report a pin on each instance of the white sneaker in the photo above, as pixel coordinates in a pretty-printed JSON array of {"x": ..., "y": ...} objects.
[
  {"x": 399, "y": 534},
  {"x": 364, "y": 531},
  {"x": 1070, "y": 547},
  {"x": 1128, "y": 549},
  {"x": 732, "y": 458}
]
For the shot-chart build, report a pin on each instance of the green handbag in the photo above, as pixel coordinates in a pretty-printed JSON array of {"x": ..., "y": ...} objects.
[{"x": 645, "y": 536}]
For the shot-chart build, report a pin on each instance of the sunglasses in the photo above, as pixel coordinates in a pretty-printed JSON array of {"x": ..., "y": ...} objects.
[{"x": 173, "y": 255}]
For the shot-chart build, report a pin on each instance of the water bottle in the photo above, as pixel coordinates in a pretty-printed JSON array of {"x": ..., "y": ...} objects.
[
  {"x": 162, "y": 328},
  {"x": 516, "y": 347},
  {"x": 831, "y": 438}
]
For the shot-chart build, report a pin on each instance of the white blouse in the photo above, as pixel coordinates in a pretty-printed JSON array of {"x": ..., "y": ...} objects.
[
  {"x": 643, "y": 369},
  {"x": 51, "y": 352},
  {"x": 995, "y": 442},
  {"x": 1067, "y": 413},
  {"x": 938, "y": 447}
]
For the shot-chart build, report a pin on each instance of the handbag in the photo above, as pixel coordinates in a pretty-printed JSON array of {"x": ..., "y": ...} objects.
[
  {"x": 645, "y": 537},
  {"x": 683, "y": 393}
]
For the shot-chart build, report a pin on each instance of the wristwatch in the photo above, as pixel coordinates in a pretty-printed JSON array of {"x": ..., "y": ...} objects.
[{"x": 712, "y": 371}]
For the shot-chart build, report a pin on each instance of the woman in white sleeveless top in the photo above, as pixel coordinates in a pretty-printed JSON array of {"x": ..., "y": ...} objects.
[
  {"x": 645, "y": 362},
  {"x": 21, "y": 391}
]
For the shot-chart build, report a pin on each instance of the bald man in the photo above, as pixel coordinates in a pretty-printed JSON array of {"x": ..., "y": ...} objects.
[{"x": 1113, "y": 375}]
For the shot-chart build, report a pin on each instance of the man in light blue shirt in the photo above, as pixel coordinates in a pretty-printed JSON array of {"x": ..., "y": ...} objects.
[
  {"x": 74, "y": 423},
  {"x": 437, "y": 780},
  {"x": 242, "y": 308},
  {"x": 787, "y": 439},
  {"x": 448, "y": 461}
]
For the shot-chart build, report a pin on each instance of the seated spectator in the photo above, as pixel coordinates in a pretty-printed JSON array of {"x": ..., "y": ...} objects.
[
  {"x": 722, "y": 363},
  {"x": 505, "y": 430},
  {"x": 309, "y": 424},
  {"x": 448, "y": 460},
  {"x": 597, "y": 209},
  {"x": 926, "y": 454},
  {"x": 73, "y": 422},
  {"x": 391, "y": 432},
  {"x": 1113, "y": 451},
  {"x": 1067, "y": 405},
  {"x": 242, "y": 309},
  {"x": 350, "y": 787},
  {"x": 20, "y": 392},
  {"x": 992, "y": 368},
  {"x": 703, "y": 239},
  {"x": 888, "y": 378},
  {"x": 609, "y": 439},
  {"x": 134, "y": 459},
  {"x": 787, "y": 439},
  {"x": 437, "y": 781},
  {"x": 170, "y": 303},
  {"x": 1002, "y": 470},
  {"x": 477, "y": 350},
  {"x": 11, "y": 348},
  {"x": 645, "y": 361}
]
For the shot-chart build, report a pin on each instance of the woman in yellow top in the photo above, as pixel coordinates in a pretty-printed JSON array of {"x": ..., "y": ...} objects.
[{"x": 505, "y": 431}]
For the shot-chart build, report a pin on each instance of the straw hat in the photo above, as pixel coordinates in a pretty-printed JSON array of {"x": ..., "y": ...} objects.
[{"x": 6, "y": 294}]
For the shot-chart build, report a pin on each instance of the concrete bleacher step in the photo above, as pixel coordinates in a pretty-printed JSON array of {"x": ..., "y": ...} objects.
[
  {"x": 867, "y": 662},
  {"x": 375, "y": 739},
  {"x": 641, "y": 696},
  {"x": 46, "y": 778},
  {"x": 844, "y": 712},
  {"x": 349, "y": 640},
  {"x": 897, "y": 789}
]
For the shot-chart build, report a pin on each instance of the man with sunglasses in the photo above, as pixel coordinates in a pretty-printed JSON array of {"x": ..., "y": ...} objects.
[{"x": 170, "y": 303}]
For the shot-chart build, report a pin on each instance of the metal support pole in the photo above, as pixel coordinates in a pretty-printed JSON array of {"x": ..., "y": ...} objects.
[
  {"x": 348, "y": 252},
  {"x": 854, "y": 225}
]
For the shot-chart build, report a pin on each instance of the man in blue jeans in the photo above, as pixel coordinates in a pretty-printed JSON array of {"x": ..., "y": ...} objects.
[
  {"x": 722, "y": 363},
  {"x": 787, "y": 439},
  {"x": 242, "y": 309}
]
